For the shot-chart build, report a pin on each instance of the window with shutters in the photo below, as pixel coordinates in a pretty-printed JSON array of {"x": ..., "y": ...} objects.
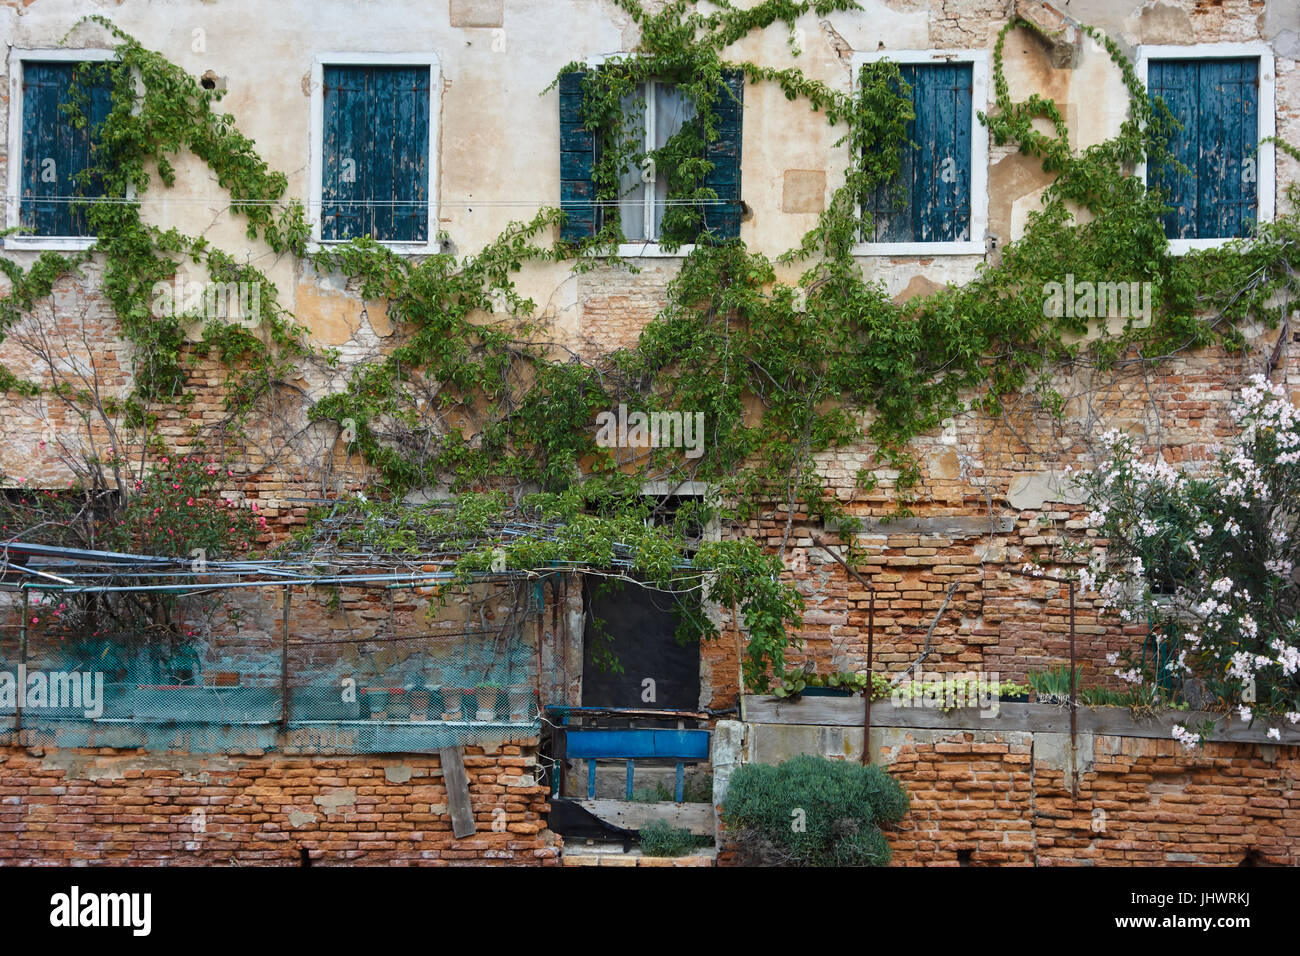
[
  {"x": 1221, "y": 96},
  {"x": 373, "y": 169},
  {"x": 938, "y": 202},
  {"x": 51, "y": 158},
  {"x": 654, "y": 112}
]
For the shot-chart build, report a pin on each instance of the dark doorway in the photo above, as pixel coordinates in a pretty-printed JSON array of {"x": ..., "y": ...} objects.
[{"x": 630, "y": 653}]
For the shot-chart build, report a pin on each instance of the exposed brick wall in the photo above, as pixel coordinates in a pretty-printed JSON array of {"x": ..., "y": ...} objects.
[
  {"x": 987, "y": 798},
  {"x": 129, "y": 807}
]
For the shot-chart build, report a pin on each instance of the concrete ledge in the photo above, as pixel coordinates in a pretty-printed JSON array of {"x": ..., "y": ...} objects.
[{"x": 848, "y": 712}]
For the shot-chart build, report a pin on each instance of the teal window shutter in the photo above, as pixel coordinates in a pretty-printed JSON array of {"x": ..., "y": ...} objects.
[
  {"x": 722, "y": 221},
  {"x": 930, "y": 199},
  {"x": 54, "y": 152},
  {"x": 577, "y": 157},
  {"x": 375, "y": 179},
  {"x": 1217, "y": 104}
]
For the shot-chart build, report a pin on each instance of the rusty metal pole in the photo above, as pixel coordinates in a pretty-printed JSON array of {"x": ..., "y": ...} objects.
[
  {"x": 21, "y": 689},
  {"x": 284, "y": 663},
  {"x": 871, "y": 672},
  {"x": 1074, "y": 755}
]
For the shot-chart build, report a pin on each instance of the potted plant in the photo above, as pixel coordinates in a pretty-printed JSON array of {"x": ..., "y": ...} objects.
[
  {"x": 521, "y": 703},
  {"x": 487, "y": 694},
  {"x": 420, "y": 704},
  {"x": 451, "y": 703},
  {"x": 399, "y": 704},
  {"x": 376, "y": 702},
  {"x": 1010, "y": 693}
]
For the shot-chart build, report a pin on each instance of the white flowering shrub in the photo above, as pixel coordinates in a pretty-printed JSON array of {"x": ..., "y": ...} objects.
[{"x": 1207, "y": 561}]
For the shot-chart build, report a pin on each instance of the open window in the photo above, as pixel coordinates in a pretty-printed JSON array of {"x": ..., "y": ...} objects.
[
  {"x": 652, "y": 115},
  {"x": 633, "y": 652}
]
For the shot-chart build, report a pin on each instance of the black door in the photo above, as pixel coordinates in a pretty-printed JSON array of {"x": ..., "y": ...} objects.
[{"x": 631, "y": 656}]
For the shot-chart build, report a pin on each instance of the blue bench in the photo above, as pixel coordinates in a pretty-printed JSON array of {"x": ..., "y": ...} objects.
[{"x": 629, "y": 745}]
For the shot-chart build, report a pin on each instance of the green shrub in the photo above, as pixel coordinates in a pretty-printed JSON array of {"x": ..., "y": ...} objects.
[
  {"x": 811, "y": 811},
  {"x": 659, "y": 838}
]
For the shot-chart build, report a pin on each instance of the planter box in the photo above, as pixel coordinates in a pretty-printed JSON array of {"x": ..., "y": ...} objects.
[
  {"x": 1029, "y": 718},
  {"x": 206, "y": 705},
  {"x": 306, "y": 704}
]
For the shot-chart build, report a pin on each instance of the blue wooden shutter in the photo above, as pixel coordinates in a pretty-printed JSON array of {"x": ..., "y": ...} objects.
[
  {"x": 577, "y": 157},
  {"x": 49, "y": 137},
  {"x": 723, "y": 221},
  {"x": 930, "y": 200},
  {"x": 376, "y": 153},
  {"x": 1217, "y": 103}
]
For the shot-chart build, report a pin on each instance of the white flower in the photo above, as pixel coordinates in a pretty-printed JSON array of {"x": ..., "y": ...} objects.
[
  {"x": 1274, "y": 733},
  {"x": 1244, "y": 713},
  {"x": 1112, "y": 658},
  {"x": 1293, "y": 716},
  {"x": 1185, "y": 737}
]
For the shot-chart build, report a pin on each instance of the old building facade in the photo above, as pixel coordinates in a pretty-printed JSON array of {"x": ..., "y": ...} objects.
[{"x": 434, "y": 126}]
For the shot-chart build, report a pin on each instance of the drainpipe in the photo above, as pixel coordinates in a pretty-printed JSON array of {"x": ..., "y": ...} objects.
[
  {"x": 22, "y": 670},
  {"x": 871, "y": 670},
  {"x": 1074, "y": 754}
]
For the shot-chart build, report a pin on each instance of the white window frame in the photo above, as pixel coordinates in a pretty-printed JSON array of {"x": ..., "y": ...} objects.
[
  {"x": 1266, "y": 179},
  {"x": 979, "y": 154},
  {"x": 315, "y": 206},
  {"x": 645, "y": 248},
  {"x": 13, "y": 211}
]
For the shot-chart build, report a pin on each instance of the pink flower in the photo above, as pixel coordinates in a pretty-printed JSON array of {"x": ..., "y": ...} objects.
[
  {"x": 190, "y": 502},
  {"x": 254, "y": 504},
  {"x": 36, "y": 620}
]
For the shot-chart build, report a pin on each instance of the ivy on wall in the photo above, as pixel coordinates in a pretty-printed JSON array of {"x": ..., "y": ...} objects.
[{"x": 780, "y": 372}]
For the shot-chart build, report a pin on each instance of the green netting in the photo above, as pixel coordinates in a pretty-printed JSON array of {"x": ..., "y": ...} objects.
[{"x": 477, "y": 685}]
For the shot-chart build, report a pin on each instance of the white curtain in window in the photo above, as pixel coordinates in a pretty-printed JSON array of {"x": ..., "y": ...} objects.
[{"x": 671, "y": 110}]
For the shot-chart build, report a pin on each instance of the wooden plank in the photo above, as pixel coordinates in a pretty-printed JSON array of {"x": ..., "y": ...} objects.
[
  {"x": 683, "y": 744},
  {"x": 457, "y": 783},
  {"x": 1025, "y": 718},
  {"x": 696, "y": 817},
  {"x": 1176, "y": 81}
]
